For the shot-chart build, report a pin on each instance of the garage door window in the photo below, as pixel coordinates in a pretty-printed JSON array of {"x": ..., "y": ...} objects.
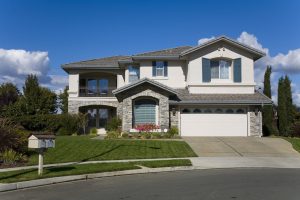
[
  {"x": 229, "y": 111},
  {"x": 197, "y": 110},
  {"x": 186, "y": 110}
]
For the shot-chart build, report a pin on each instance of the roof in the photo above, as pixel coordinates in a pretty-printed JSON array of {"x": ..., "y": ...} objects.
[
  {"x": 171, "y": 52},
  {"x": 250, "y": 99},
  {"x": 114, "y": 62},
  {"x": 43, "y": 136},
  {"x": 105, "y": 63},
  {"x": 255, "y": 52},
  {"x": 142, "y": 81}
]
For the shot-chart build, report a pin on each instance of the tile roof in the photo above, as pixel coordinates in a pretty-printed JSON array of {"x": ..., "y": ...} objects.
[
  {"x": 106, "y": 62},
  {"x": 166, "y": 52},
  {"x": 141, "y": 81},
  {"x": 184, "y": 97}
]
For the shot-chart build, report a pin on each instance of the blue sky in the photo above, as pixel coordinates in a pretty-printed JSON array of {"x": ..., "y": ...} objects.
[{"x": 68, "y": 31}]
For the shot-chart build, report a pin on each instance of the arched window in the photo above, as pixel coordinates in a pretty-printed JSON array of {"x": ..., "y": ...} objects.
[
  {"x": 186, "y": 110},
  {"x": 207, "y": 111},
  {"x": 229, "y": 111},
  {"x": 219, "y": 110},
  {"x": 240, "y": 110},
  {"x": 197, "y": 110}
]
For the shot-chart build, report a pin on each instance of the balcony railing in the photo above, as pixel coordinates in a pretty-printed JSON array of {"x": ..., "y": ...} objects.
[{"x": 88, "y": 92}]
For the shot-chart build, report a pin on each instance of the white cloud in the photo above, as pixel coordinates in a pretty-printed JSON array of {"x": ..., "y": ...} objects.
[
  {"x": 282, "y": 64},
  {"x": 16, "y": 64},
  {"x": 203, "y": 40},
  {"x": 251, "y": 41}
]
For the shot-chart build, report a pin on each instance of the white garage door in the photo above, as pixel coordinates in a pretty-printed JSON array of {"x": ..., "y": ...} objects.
[{"x": 204, "y": 124}]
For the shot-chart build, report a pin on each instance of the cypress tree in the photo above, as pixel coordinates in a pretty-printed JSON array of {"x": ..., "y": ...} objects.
[
  {"x": 282, "y": 112},
  {"x": 289, "y": 101},
  {"x": 63, "y": 98},
  {"x": 268, "y": 109},
  {"x": 32, "y": 94}
]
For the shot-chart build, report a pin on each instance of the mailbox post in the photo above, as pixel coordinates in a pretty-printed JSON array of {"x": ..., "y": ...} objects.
[{"x": 41, "y": 142}]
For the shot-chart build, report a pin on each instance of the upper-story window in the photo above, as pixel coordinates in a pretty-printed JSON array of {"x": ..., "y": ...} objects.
[
  {"x": 160, "y": 69},
  {"x": 134, "y": 74},
  {"x": 220, "y": 69}
]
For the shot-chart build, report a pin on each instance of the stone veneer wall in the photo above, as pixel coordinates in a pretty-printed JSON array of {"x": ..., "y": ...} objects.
[
  {"x": 174, "y": 119},
  {"x": 163, "y": 108},
  {"x": 73, "y": 105},
  {"x": 255, "y": 124}
]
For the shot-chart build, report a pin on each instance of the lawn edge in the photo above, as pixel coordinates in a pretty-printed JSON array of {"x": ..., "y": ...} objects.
[{"x": 4, "y": 187}]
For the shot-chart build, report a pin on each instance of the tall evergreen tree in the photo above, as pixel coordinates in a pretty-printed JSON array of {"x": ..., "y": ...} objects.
[
  {"x": 9, "y": 94},
  {"x": 268, "y": 109},
  {"x": 282, "y": 112},
  {"x": 63, "y": 100},
  {"x": 32, "y": 94},
  {"x": 289, "y": 101}
]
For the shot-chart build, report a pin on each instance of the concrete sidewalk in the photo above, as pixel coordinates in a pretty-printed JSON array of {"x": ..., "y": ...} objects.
[
  {"x": 86, "y": 162},
  {"x": 198, "y": 163}
]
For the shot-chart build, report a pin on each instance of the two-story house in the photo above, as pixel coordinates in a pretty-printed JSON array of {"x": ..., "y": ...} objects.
[{"x": 206, "y": 90}]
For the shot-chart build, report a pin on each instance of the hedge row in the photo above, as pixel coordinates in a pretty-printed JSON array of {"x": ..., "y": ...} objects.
[{"x": 63, "y": 124}]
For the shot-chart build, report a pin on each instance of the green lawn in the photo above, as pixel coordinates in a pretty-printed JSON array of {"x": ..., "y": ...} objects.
[
  {"x": 295, "y": 142},
  {"x": 31, "y": 174},
  {"x": 83, "y": 148}
]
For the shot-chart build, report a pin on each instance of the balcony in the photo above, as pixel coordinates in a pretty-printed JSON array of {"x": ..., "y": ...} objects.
[
  {"x": 97, "y": 84},
  {"x": 96, "y": 92}
]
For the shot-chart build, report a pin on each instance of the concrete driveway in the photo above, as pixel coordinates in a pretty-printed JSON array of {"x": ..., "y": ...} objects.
[{"x": 241, "y": 147}]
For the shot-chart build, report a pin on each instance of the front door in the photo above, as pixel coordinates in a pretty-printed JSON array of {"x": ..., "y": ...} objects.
[{"x": 103, "y": 116}]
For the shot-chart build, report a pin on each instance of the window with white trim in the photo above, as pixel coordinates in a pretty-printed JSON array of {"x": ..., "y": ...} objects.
[
  {"x": 134, "y": 74},
  {"x": 160, "y": 68},
  {"x": 220, "y": 69}
]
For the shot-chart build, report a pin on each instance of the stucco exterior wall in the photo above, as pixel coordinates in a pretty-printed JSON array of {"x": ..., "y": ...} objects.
[
  {"x": 194, "y": 77},
  {"x": 73, "y": 85},
  {"x": 176, "y": 73}
]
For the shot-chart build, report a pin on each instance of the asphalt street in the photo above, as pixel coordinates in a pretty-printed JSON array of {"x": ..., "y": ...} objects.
[{"x": 254, "y": 183}]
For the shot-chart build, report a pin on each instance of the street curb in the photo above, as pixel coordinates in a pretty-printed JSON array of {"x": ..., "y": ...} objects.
[{"x": 55, "y": 180}]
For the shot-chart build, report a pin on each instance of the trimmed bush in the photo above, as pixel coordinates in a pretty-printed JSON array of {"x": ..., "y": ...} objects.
[
  {"x": 145, "y": 135},
  {"x": 112, "y": 135},
  {"x": 93, "y": 131},
  {"x": 125, "y": 135},
  {"x": 114, "y": 124},
  {"x": 173, "y": 131},
  {"x": 156, "y": 135},
  {"x": 11, "y": 157}
]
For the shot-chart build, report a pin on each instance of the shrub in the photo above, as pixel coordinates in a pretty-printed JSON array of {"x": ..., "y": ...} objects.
[
  {"x": 295, "y": 130},
  {"x": 11, "y": 157},
  {"x": 145, "y": 135},
  {"x": 114, "y": 124},
  {"x": 136, "y": 135},
  {"x": 146, "y": 127},
  {"x": 125, "y": 135},
  {"x": 173, "y": 131},
  {"x": 156, "y": 135},
  {"x": 112, "y": 135},
  {"x": 49, "y": 122},
  {"x": 93, "y": 131},
  {"x": 11, "y": 137},
  {"x": 69, "y": 124}
]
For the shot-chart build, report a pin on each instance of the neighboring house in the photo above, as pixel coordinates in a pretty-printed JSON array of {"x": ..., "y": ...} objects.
[{"x": 206, "y": 90}]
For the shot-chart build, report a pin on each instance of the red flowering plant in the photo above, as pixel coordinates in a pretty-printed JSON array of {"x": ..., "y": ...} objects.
[{"x": 146, "y": 127}]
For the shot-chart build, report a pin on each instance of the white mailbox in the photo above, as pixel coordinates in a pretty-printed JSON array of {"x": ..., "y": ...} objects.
[{"x": 41, "y": 141}]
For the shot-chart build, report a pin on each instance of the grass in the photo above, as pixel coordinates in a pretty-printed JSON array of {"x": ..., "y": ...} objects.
[
  {"x": 83, "y": 148},
  {"x": 294, "y": 141},
  {"x": 31, "y": 174}
]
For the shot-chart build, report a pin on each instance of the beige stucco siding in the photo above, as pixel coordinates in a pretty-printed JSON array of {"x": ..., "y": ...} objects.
[
  {"x": 73, "y": 84},
  {"x": 194, "y": 78},
  {"x": 176, "y": 73}
]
